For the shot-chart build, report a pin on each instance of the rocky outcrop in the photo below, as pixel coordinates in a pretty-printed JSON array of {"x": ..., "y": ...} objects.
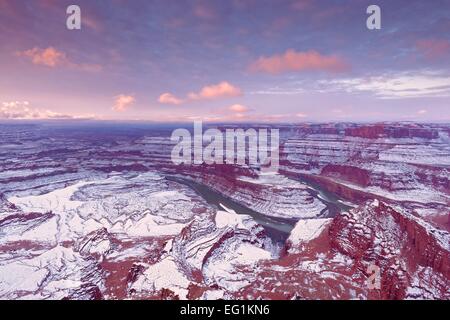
[
  {"x": 395, "y": 241},
  {"x": 206, "y": 255},
  {"x": 390, "y": 131},
  {"x": 367, "y": 132},
  {"x": 431, "y": 245},
  {"x": 96, "y": 243}
]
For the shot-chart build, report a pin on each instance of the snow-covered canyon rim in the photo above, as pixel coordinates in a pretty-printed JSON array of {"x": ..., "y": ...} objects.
[{"x": 99, "y": 212}]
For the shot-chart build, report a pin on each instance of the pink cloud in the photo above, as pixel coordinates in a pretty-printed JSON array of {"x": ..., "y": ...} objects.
[
  {"x": 22, "y": 110},
  {"x": 292, "y": 60},
  {"x": 123, "y": 102},
  {"x": 51, "y": 57},
  {"x": 223, "y": 89},
  {"x": 238, "y": 108},
  {"x": 220, "y": 90},
  {"x": 168, "y": 98},
  {"x": 433, "y": 48}
]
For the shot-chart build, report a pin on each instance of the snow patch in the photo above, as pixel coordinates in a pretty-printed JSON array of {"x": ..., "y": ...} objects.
[{"x": 307, "y": 230}]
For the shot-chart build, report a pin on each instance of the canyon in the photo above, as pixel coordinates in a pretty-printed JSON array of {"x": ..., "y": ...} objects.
[{"x": 97, "y": 210}]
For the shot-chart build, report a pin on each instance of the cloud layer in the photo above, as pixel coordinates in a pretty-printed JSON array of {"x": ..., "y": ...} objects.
[
  {"x": 211, "y": 52},
  {"x": 394, "y": 86},
  {"x": 22, "y": 110},
  {"x": 223, "y": 89},
  {"x": 51, "y": 57},
  {"x": 238, "y": 108},
  {"x": 215, "y": 91},
  {"x": 293, "y": 61},
  {"x": 168, "y": 98},
  {"x": 123, "y": 102}
]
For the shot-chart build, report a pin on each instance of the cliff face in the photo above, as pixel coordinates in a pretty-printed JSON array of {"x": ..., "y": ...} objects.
[
  {"x": 432, "y": 246},
  {"x": 271, "y": 195},
  {"x": 403, "y": 164},
  {"x": 336, "y": 259},
  {"x": 397, "y": 242},
  {"x": 367, "y": 132},
  {"x": 387, "y": 131}
]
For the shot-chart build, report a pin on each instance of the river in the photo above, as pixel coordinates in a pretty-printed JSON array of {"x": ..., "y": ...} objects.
[{"x": 278, "y": 229}]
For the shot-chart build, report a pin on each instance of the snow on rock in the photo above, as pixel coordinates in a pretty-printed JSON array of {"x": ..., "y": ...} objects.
[
  {"x": 405, "y": 163},
  {"x": 213, "y": 295},
  {"x": 18, "y": 277},
  {"x": 78, "y": 230},
  {"x": 275, "y": 180},
  {"x": 396, "y": 241},
  {"x": 305, "y": 231},
  {"x": 221, "y": 265},
  {"x": 208, "y": 251},
  {"x": 229, "y": 217},
  {"x": 144, "y": 210},
  {"x": 221, "y": 268},
  {"x": 97, "y": 242},
  {"x": 58, "y": 200},
  {"x": 148, "y": 227},
  {"x": 164, "y": 274},
  {"x": 46, "y": 275},
  {"x": 29, "y": 227},
  {"x": 110, "y": 225},
  {"x": 418, "y": 154},
  {"x": 426, "y": 284},
  {"x": 283, "y": 197}
]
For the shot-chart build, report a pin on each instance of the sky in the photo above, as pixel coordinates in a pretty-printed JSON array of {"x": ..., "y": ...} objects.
[{"x": 225, "y": 61}]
